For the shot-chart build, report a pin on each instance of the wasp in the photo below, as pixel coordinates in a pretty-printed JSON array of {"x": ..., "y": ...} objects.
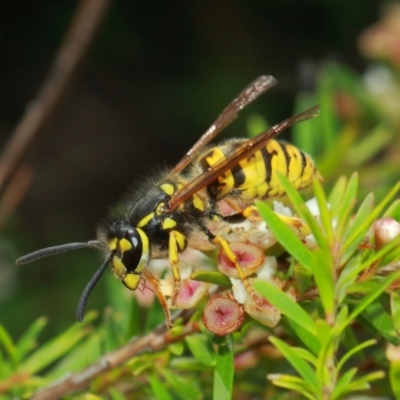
[{"x": 170, "y": 212}]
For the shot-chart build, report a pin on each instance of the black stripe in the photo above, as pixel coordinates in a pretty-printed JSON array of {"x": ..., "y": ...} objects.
[
  {"x": 238, "y": 176},
  {"x": 267, "y": 157},
  {"x": 288, "y": 159},
  {"x": 303, "y": 163}
]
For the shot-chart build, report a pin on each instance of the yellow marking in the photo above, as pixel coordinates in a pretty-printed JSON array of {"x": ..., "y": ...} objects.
[
  {"x": 112, "y": 243},
  {"x": 214, "y": 156},
  {"x": 177, "y": 243},
  {"x": 168, "y": 223},
  {"x": 198, "y": 203},
  {"x": 145, "y": 220},
  {"x": 255, "y": 174},
  {"x": 167, "y": 188},
  {"x": 145, "y": 251},
  {"x": 118, "y": 267},
  {"x": 159, "y": 209},
  {"x": 124, "y": 245},
  {"x": 131, "y": 281},
  {"x": 249, "y": 211},
  {"x": 226, "y": 183}
]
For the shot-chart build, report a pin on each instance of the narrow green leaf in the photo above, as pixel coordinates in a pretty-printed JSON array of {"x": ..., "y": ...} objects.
[
  {"x": 395, "y": 310},
  {"x": 84, "y": 353},
  {"x": 346, "y": 205},
  {"x": 394, "y": 376},
  {"x": 160, "y": 392},
  {"x": 304, "y": 213},
  {"x": 311, "y": 341},
  {"x": 292, "y": 383},
  {"x": 354, "y": 351},
  {"x": 337, "y": 193},
  {"x": 214, "y": 277},
  {"x": 8, "y": 345},
  {"x": 323, "y": 207},
  {"x": 359, "y": 227},
  {"x": 29, "y": 339},
  {"x": 301, "y": 366},
  {"x": 223, "y": 373},
  {"x": 363, "y": 304},
  {"x": 342, "y": 384},
  {"x": 201, "y": 348},
  {"x": 286, "y": 237},
  {"x": 383, "y": 322},
  {"x": 368, "y": 218},
  {"x": 181, "y": 386},
  {"x": 286, "y": 305},
  {"x": 57, "y": 347},
  {"x": 370, "y": 261},
  {"x": 323, "y": 273}
]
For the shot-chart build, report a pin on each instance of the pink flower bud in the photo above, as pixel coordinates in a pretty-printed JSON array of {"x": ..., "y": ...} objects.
[{"x": 223, "y": 315}]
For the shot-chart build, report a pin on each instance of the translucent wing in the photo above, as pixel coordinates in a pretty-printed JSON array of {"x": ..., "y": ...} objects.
[
  {"x": 250, "y": 93},
  {"x": 244, "y": 150}
]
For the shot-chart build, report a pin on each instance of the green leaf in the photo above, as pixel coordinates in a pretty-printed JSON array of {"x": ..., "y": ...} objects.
[
  {"x": 311, "y": 341},
  {"x": 394, "y": 376},
  {"x": 366, "y": 301},
  {"x": 56, "y": 348},
  {"x": 214, "y": 277},
  {"x": 342, "y": 384},
  {"x": 201, "y": 348},
  {"x": 366, "y": 219},
  {"x": 383, "y": 322},
  {"x": 395, "y": 310},
  {"x": 359, "y": 227},
  {"x": 323, "y": 273},
  {"x": 160, "y": 392},
  {"x": 323, "y": 207},
  {"x": 181, "y": 386},
  {"x": 286, "y": 305},
  {"x": 346, "y": 205},
  {"x": 8, "y": 345},
  {"x": 223, "y": 373},
  {"x": 301, "y": 366},
  {"x": 292, "y": 383},
  {"x": 28, "y": 340},
  {"x": 354, "y": 351},
  {"x": 286, "y": 237},
  {"x": 337, "y": 193}
]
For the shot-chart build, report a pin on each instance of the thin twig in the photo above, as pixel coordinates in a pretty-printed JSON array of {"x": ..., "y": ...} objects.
[
  {"x": 74, "y": 47},
  {"x": 156, "y": 340}
]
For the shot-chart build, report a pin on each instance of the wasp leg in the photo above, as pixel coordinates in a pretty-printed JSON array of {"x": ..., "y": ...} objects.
[
  {"x": 232, "y": 257},
  {"x": 161, "y": 298},
  {"x": 177, "y": 243}
]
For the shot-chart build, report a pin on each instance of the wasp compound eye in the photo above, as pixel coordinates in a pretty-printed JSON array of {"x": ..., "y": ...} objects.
[{"x": 131, "y": 256}]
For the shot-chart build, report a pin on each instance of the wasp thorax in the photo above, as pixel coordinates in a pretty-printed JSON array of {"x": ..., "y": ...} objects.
[{"x": 130, "y": 252}]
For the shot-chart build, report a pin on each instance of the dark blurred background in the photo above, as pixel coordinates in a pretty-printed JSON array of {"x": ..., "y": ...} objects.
[{"x": 157, "y": 76}]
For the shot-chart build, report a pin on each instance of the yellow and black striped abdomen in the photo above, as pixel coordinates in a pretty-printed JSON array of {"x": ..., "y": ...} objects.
[{"x": 256, "y": 176}]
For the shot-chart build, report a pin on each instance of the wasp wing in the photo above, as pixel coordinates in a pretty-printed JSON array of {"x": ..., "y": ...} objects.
[
  {"x": 250, "y": 93},
  {"x": 246, "y": 149}
]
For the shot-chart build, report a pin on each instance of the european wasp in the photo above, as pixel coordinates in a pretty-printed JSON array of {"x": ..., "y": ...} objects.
[{"x": 178, "y": 210}]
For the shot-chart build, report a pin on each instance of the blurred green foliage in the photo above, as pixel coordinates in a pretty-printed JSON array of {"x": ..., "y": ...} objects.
[{"x": 358, "y": 130}]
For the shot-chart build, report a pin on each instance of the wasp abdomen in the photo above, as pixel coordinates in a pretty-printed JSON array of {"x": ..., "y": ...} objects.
[{"x": 256, "y": 176}]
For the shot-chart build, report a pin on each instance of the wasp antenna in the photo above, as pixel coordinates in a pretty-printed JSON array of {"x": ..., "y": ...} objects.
[
  {"x": 50, "y": 251},
  {"x": 80, "y": 310}
]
